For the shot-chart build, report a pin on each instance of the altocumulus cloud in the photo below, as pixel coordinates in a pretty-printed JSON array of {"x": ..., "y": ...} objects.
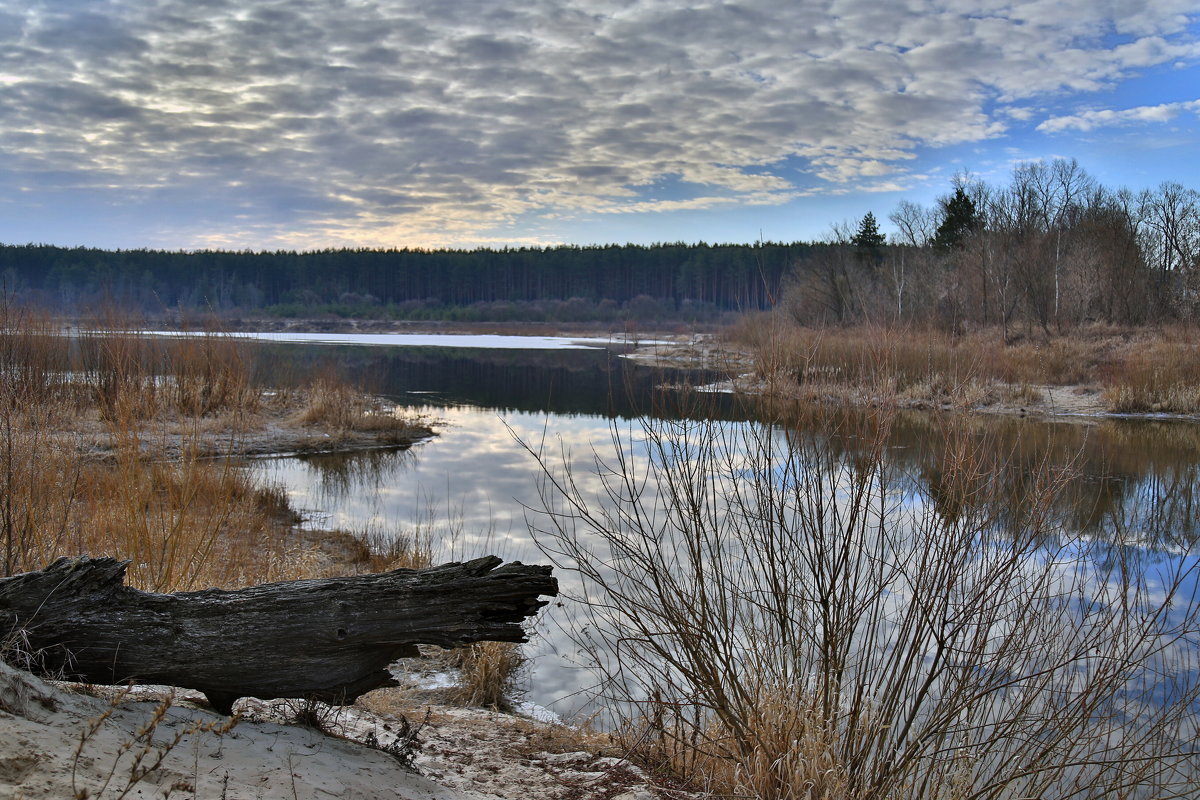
[{"x": 304, "y": 123}]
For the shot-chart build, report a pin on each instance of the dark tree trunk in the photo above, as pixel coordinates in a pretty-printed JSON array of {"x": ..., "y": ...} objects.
[{"x": 330, "y": 639}]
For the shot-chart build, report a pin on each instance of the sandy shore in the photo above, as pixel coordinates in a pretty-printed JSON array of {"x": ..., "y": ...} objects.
[{"x": 57, "y": 743}]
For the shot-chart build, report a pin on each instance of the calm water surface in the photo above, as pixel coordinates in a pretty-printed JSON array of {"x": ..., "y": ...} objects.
[{"x": 472, "y": 487}]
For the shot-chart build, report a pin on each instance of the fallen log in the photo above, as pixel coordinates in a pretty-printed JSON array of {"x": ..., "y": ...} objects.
[{"x": 330, "y": 639}]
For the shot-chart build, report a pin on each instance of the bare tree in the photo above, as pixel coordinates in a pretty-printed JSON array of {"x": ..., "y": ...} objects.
[
  {"x": 1173, "y": 240},
  {"x": 915, "y": 225}
]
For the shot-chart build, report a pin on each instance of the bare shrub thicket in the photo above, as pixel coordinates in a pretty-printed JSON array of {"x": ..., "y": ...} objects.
[{"x": 773, "y": 617}]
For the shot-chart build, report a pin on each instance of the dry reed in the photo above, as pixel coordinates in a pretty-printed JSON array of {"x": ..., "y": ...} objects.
[
  {"x": 106, "y": 440},
  {"x": 1138, "y": 370},
  {"x": 488, "y": 674}
]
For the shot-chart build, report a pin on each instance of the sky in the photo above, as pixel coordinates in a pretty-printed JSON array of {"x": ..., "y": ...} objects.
[{"x": 302, "y": 124}]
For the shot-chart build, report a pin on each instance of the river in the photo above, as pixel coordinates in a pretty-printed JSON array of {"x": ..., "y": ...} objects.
[{"x": 475, "y": 485}]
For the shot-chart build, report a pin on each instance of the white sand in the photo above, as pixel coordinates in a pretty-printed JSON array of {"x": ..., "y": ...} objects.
[
  {"x": 46, "y": 751},
  {"x": 42, "y": 755}
]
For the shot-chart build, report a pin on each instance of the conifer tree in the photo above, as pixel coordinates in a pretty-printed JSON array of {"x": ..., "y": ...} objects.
[
  {"x": 868, "y": 240},
  {"x": 959, "y": 218}
]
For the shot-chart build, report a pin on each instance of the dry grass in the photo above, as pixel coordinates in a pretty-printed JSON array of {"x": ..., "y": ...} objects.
[
  {"x": 339, "y": 409},
  {"x": 488, "y": 674},
  {"x": 1155, "y": 376},
  {"x": 106, "y": 445},
  {"x": 795, "y": 754},
  {"x": 1138, "y": 370},
  {"x": 210, "y": 374},
  {"x": 185, "y": 523},
  {"x": 375, "y": 550}
]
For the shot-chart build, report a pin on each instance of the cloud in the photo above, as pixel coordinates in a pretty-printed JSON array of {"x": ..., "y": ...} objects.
[
  {"x": 1090, "y": 120},
  {"x": 395, "y": 122}
]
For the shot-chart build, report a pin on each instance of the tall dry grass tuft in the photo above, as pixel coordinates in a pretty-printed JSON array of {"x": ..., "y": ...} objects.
[
  {"x": 378, "y": 550},
  {"x": 340, "y": 410},
  {"x": 210, "y": 374},
  {"x": 488, "y": 674},
  {"x": 775, "y": 618},
  {"x": 332, "y": 404}
]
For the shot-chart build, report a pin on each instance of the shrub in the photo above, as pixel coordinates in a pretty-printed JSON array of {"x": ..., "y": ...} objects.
[{"x": 772, "y": 617}]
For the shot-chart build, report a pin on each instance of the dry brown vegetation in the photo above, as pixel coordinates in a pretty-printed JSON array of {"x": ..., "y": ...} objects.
[
  {"x": 340, "y": 411},
  {"x": 106, "y": 445},
  {"x": 488, "y": 673},
  {"x": 1129, "y": 370}
]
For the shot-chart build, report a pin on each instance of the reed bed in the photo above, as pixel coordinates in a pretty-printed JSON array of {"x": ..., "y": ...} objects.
[
  {"x": 1134, "y": 370},
  {"x": 107, "y": 441}
]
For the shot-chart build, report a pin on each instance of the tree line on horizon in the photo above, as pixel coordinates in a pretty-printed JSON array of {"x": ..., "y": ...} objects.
[
  {"x": 1050, "y": 250},
  {"x": 565, "y": 283}
]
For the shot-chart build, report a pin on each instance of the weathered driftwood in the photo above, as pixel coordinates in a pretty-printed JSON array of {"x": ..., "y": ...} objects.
[{"x": 331, "y": 639}]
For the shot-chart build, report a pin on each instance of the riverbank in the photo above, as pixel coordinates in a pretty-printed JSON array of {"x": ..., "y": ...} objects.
[{"x": 1095, "y": 373}]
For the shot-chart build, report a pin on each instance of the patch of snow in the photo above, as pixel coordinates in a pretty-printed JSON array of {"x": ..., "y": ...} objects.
[
  {"x": 540, "y": 713},
  {"x": 436, "y": 680},
  {"x": 480, "y": 341}
]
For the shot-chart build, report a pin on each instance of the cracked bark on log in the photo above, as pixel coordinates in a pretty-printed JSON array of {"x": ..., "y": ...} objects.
[{"x": 329, "y": 639}]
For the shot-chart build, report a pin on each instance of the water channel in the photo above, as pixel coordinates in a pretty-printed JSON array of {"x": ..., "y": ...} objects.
[{"x": 473, "y": 486}]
